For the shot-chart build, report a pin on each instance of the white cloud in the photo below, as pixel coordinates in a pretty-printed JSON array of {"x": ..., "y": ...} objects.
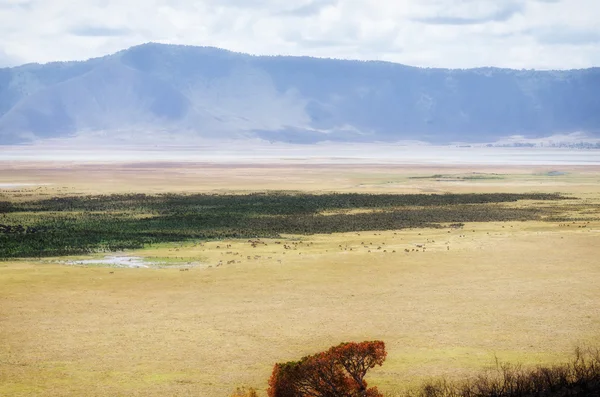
[
  {"x": 6, "y": 60},
  {"x": 438, "y": 33}
]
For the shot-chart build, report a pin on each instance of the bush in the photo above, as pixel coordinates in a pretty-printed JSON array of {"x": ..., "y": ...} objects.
[
  {"x": 338, "y": 372},
  {"x": 579, "y": 378}
]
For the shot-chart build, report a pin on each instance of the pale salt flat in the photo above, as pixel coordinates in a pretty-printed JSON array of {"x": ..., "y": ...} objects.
[{"x": 18, "y": 185}]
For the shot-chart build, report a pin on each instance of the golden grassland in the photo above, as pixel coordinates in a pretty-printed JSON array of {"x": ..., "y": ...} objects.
[
  {"x": 69, "y": 178},
  {"x": 524, "y": 292}
]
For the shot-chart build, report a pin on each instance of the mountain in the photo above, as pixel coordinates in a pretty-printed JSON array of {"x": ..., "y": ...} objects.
[{"x": 214, "y": 93}]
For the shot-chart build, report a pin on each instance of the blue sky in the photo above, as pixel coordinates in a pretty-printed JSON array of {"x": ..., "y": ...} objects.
[{"x": 544, "y": 34}]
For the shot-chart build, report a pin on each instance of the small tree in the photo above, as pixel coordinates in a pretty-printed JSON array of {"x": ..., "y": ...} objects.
[
  {"x": 358, "y": 358},
  {"x": 338, "y": 372}
]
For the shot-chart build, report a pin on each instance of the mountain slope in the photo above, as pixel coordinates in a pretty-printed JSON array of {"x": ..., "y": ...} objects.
[{"x": 215, "y": 93}]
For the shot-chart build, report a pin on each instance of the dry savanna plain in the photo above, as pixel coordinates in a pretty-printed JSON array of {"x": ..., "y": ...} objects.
[{"x": 200, "y": 317}]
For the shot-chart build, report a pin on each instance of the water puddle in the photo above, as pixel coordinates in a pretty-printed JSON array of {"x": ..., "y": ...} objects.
[{"x": 116, "y": 261}]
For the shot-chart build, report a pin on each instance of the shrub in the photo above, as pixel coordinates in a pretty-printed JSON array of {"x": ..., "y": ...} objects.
[
  {"x": 338, "y": 372},
  {"x": 579, "y": 378}
]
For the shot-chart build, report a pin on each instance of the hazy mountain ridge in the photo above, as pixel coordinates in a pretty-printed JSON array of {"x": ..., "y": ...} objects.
[{"x": 216, "y": 93}]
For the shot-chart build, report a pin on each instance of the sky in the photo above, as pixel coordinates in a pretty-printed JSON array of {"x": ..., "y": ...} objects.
[{"x": 529, "y": 34}]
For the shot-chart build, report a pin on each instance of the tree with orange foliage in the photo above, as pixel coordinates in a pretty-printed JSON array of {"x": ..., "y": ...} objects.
[
  {"x": 338, "y": 372},
  {"x": 358, "y": 358}
]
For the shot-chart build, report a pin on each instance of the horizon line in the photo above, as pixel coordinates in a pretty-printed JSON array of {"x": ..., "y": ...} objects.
[{"x": 149, "y": 43}]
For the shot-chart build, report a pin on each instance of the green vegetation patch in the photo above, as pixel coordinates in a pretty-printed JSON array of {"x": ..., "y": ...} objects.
[
  {"x": 472, "y": 177},
  {"x": 87, "y": 224}
]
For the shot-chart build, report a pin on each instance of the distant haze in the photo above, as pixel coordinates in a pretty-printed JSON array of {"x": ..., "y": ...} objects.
[
  {"x": 240, "y": 152},
  {"x": 156, "y": 89}
]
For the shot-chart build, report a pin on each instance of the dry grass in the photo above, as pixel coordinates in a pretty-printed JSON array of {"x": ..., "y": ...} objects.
[
  {"x": 580, "y": 376},
  {"x": 525, "y": 292},
  {"x": 71, "y": 178}
]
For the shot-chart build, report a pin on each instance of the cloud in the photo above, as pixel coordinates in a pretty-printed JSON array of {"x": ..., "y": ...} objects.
[
  {"x": 7, "y": 60},
  {"x": 500, "y": 14},
  {"x": 548, "y": 34},
  {"x": 310, "y": 9},
  {"x": 101, "y": 31},
  {"x": 14, "y": 4},
  {"x": 562, "y": 36},
  {"x": 253, "y": 4}
]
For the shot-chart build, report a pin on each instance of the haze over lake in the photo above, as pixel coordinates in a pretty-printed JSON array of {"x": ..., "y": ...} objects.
[{"x": 298, "y": 154}]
